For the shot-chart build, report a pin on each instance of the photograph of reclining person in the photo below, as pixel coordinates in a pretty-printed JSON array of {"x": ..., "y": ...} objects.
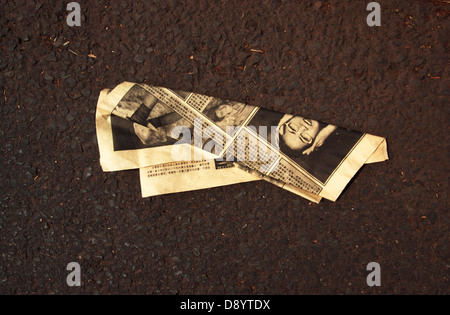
[
  {"x": 318, "y": 148},
  {"x": 141, "y": 121},
  {"x": 227, "y": 113}
]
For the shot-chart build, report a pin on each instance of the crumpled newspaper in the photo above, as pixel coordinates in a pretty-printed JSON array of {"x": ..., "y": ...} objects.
[{"x": 182, "y": 141}]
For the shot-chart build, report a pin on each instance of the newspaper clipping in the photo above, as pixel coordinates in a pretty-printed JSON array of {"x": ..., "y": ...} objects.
[{"x": 182, "y": 141}]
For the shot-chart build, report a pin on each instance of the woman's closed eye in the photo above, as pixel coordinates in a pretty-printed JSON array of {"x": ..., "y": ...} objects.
[{"x": 308, "y": 122}]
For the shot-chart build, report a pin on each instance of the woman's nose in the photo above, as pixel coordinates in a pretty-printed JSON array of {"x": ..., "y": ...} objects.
[{"x": 302, "y": 129}]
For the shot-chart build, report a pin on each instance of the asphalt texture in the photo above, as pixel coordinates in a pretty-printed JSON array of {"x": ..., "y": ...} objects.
[{"x": 319, "y": 59}]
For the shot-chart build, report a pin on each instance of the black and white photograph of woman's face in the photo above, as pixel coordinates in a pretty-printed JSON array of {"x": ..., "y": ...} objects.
[{"x": 298, "y": 132}]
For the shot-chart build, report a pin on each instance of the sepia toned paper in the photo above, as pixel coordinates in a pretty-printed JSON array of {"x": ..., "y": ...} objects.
[
  {"x": 145, "y": 127},
  {"x": 189, "y": 179},
  {"x": 190, "y": 175}
]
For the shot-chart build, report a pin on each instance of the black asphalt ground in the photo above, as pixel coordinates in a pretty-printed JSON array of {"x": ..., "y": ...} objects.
[{"x": 315, "y": 58}]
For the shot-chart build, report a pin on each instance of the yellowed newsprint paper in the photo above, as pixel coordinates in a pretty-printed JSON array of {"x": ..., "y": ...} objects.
[
  {"x": 183, "y": 141},
  {"x": 170, "y": 176},
  {"x": 158, "y": 179}
]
